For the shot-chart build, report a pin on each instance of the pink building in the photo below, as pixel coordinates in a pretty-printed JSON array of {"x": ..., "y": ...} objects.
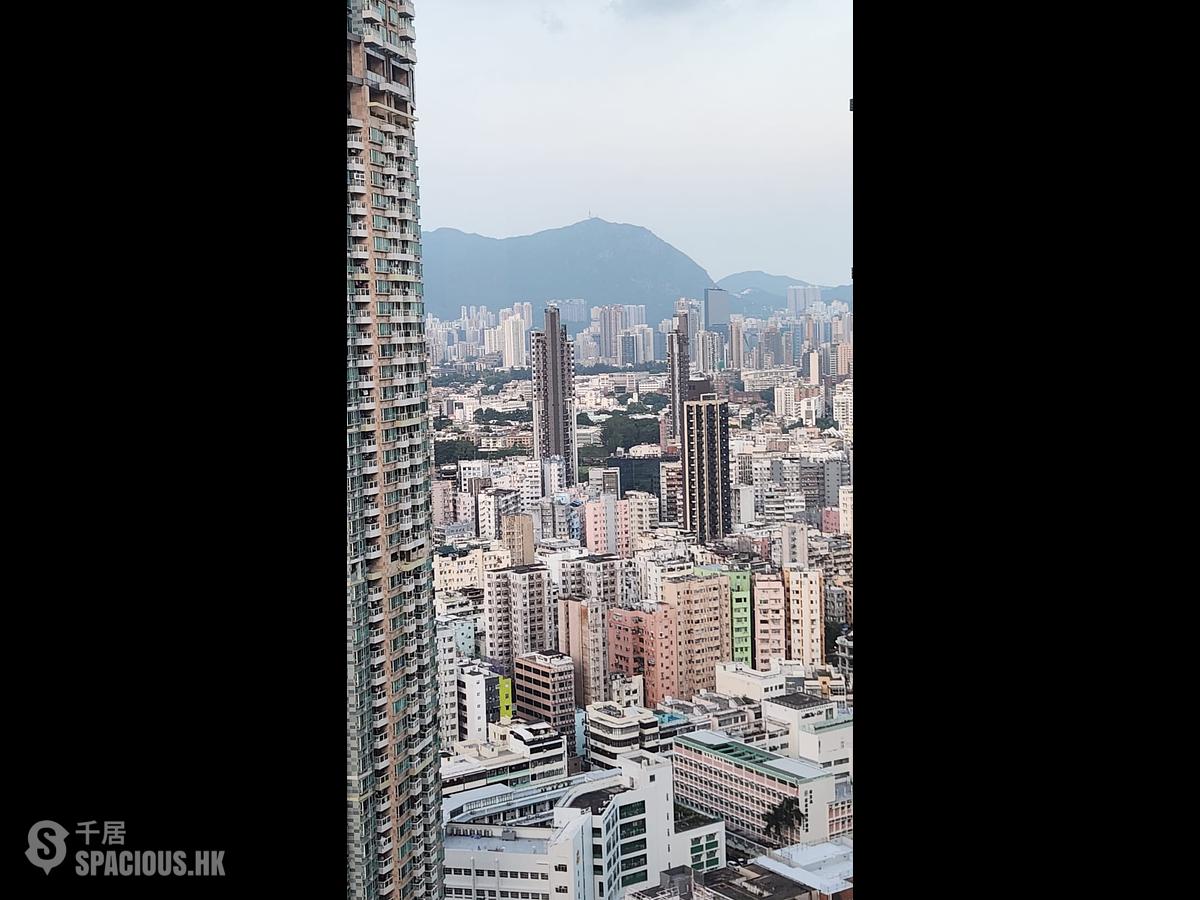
[
  {"x": 770, "y": 630},
  {"x": 831, "y": 520},
  {"x": 607, "y": 525},
  {"x": 627, "y": 641},
  {"x": 684, "y": 637}
]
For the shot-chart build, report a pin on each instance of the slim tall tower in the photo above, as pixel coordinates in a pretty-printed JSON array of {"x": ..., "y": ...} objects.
[
  {"x": 678, "y": 372},
  {"x": 393, "y": 792},
  {"x": 554, "y": 395},
  {"x": 707, "y": 508}
]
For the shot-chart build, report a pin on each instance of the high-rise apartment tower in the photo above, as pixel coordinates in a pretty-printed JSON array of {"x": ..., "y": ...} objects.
[
  {"x": 554, "y": 395},
  {"x": 393, "y": 794}
]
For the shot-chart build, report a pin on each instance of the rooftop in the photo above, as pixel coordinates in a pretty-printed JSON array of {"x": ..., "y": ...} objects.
[
  {"x": 799, "y": 700},
  {"x": 769, "y": 763},
  {"x": 496, "y": 842},
  {"x": 596, "y": 801}
]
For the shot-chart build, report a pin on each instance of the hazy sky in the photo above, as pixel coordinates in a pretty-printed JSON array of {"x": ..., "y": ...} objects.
[{"x": 723, "y": 126}]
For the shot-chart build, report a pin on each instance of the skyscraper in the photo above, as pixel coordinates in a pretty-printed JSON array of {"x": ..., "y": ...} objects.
[
  {"x": 737, "y": 342},
  {"x": 707, "y": 509},
  {"x": 716, "y": 311},
  {"x": 678, "y": 372},
  {"x": 554, "y": 395},
  {"x": 393, "y": 793},
  {"x": 612, "y": 323},
  {"x": 513, "y": 331}
]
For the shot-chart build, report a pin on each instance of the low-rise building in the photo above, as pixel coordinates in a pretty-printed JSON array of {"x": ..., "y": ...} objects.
[
  {"x": 614, "y": 730},
  {"x": 767, "y": 801},
  {"x": 513, "y": 754},
  {"x": 592, "y": 836}
]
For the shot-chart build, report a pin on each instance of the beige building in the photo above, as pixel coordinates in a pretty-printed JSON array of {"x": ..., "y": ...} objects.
[
  {"x": 685, "y": 637},
  {"x": 519, "y": 614},
  {"x": 459, "y": 569},
  {"x": 517, "y": 537},
  {"x": 805, "y": 606}
]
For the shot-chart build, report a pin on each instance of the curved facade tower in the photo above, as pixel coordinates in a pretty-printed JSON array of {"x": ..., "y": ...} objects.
[{"x": 393, "y": 795}]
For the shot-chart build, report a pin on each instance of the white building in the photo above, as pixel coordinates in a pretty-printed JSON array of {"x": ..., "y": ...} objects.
[
  {"x": 613, "y": 730},
  {"x": 846, "y": 510},
  {"x": 843, "y": 406},
  {"x": 593, "y": 836},
  {"x": 513, "y": 754},
  {"x": 785, "y": 676}
]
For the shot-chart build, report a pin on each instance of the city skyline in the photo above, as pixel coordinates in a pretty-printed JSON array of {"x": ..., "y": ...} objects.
[{"x": 542, "y": 113}]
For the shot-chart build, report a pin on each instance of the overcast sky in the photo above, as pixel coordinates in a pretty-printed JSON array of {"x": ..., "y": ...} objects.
[{"x": 723, "y": 126}]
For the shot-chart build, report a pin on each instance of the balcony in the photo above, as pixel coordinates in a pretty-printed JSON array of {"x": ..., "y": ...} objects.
[
  {"x": 358, "y": 251},
  {"x": 371, "y": 14},
  {"x": 358, "y": 229},
  {"x": 381, "y": 743},
  {"x": 379, "y": 699},
  {"x": 364, "y": 340},
  {"x": 378, "y": 637},
  {"x": 355, "y": 142},
  {"x": 406, "y": 31},
  {"x": 356, "y": 187},
  {"x": 400, "y": 90},
  {"x": 385, "y": 824},
  {"x": 355, "y": 164},
  {"x": 352, "y": 122},
  {"x": 375, "y": 618},
  {"x": 379, "y": 680}
]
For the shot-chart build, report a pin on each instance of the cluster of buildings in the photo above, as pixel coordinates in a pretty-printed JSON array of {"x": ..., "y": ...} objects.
[
  {"x": 585, "y": 681},
  {"x": 646, "y": 665}
]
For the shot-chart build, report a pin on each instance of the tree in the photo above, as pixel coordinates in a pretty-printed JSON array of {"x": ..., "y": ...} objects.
[
  {"x": 785, "y": 816},
  {"x": 453, "y": 451},
  {"x": 655, "y": 402},
  {"x": 584, "y": 419}
]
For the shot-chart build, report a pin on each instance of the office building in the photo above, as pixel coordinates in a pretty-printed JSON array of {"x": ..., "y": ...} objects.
[
  {"x": 544, "y": 691},
  {"x": 554, "y": 396},
  {"x": 388, "y": 460},
  {"x": 716, "y": 311},
  {"x": 707, "y": 504}
]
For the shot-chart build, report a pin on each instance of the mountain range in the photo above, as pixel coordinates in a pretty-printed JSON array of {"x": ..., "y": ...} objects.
[{"x": 602, "y": 262}]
